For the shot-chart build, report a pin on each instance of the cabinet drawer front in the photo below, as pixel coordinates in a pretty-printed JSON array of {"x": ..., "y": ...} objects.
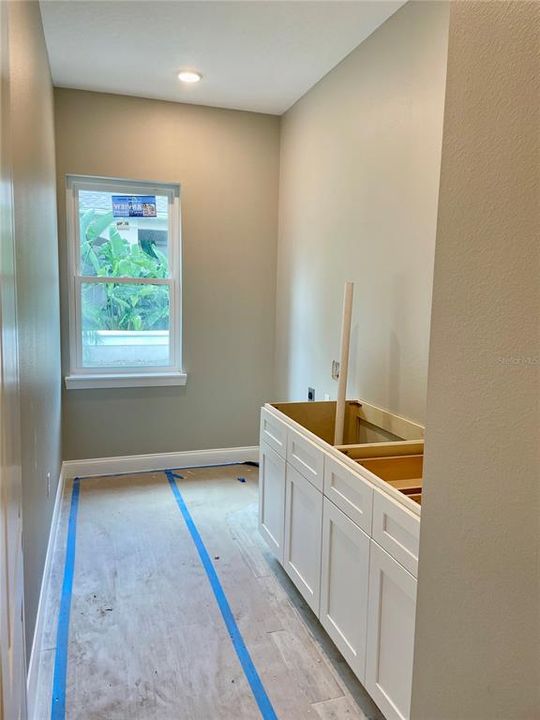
[
  {"x": 390, "y": 642},
  {"x": 306, "y": 457},
  {"x": 303, "y": 529},
  {"x": 273, "y": 432},
  {"x": 350, "y": 492},
  {"x": 397, "y": 530},
  {"x": 272, "y": 499},
  {"x": 344, "y": 586}
]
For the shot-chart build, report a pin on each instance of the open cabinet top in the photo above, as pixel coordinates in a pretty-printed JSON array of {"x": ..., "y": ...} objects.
[
  {"x": 364, "y": 423},
  {"x": 387, "y": 446}
]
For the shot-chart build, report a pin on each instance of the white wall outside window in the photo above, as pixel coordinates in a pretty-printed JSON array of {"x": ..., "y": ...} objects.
[{"x": 121, "y": 335}]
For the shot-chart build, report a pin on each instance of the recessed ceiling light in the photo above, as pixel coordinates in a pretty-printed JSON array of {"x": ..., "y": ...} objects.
[{"x": 189, "y": 76}]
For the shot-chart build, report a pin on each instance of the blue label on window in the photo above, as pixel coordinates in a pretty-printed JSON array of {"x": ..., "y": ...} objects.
[{"x": 134, "y": 206}]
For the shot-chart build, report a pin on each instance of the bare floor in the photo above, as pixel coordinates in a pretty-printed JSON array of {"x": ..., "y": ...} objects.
[{"x": 147, "y": 640}]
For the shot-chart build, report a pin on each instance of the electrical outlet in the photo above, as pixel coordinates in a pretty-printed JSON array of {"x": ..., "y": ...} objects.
[
  {"x": 48, "y": 484},
  {"x": 326, "y": 396},
  {"x": 311, "y": 393},
  {"x": 335, "y": 370}
]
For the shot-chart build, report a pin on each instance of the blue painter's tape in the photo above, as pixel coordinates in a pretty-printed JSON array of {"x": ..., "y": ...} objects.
[
  {"x": 250, "y": 671},
  {"x": 58, "y": 706}
]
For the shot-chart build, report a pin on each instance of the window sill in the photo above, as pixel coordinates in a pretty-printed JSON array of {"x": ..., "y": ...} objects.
[{"x": 124, "y": 380}]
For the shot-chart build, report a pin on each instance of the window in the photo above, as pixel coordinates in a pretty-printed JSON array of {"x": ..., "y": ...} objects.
[{"x": 124, "y": 259}]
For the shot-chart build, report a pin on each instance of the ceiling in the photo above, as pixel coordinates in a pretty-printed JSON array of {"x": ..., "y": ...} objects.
[{"x": 254, "y": 55}]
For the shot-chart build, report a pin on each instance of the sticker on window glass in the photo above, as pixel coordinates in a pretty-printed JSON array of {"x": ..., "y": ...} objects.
[{"x": 134, "y": 206}]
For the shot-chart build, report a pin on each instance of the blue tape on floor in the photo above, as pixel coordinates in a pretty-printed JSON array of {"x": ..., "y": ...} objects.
[
  {"x": 58, "y": 707},
  {"x": 252, "y": 676}
]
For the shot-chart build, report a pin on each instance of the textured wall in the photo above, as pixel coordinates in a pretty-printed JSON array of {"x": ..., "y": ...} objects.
[
  {"x": 32, "y": 123},
  {"x": 360, "y": 165},
  {"x": 478, "y": 624},
  {"x": 227, "y": 163}
]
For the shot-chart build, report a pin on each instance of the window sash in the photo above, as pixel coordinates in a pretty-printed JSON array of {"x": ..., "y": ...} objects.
[{"x": 74, "y": 185}]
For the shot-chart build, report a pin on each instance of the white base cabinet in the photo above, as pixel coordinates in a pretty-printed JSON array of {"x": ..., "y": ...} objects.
[
  {"x": 350, "y": 549},
  {"x": 272, "y": 499},
  {"x": 390, "y": 645},
  {"x": 344, "y": 586},
  {"x": 303, "y": 528}
]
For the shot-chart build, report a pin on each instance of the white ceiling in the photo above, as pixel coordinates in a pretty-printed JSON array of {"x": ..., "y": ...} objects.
[{"x": 255, "y": 55}]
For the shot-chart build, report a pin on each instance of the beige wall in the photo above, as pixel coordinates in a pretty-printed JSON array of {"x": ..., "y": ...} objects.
[
  {"x": 360, "y": 163},
  {"x": 227, "y": 163},
  {"x": 478, "y": 623},
  {"x": 32, "y": 124}
]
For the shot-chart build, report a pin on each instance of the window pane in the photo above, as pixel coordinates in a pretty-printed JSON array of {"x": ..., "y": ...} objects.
[
  {"x": 125, "y": 325},
  {"x": 123, "y": 235}
]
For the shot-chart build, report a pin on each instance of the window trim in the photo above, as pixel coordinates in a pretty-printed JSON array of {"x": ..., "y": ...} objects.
[{"x": 80, "y": 377}]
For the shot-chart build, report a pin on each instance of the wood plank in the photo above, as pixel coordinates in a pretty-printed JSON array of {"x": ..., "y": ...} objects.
[
  {"x": 343, "y": 362},
  {"x": 412, "y": 486},
  {"x": 395, "y": 424},
  {"x": 403, "y": 467},
  {"x": 382, "y": 449}
]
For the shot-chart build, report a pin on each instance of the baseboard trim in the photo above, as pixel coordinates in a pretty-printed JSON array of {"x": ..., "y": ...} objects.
[
  {"x": 33, "y": 665},
  {"x": 157, "y": 461}
]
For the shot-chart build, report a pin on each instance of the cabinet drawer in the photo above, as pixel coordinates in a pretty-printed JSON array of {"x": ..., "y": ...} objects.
[
  {"x": 306, "y": 457},
  {"x": 350, "y": 492},
  {"x": 273, "y": 432},
  {"x": 397, "y": 530}
]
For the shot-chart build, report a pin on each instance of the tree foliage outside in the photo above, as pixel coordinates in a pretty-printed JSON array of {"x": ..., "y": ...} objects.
[{"x": 120, "y": 306}]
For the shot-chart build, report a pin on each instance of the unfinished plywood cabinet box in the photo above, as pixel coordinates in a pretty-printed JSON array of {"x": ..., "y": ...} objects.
[{"x": 344, "y": 521}]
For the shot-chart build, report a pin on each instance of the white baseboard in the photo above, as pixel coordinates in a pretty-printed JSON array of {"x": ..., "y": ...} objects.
[
  {"x": 33, "y": 665},
  {"x": 158, "y": 461}
]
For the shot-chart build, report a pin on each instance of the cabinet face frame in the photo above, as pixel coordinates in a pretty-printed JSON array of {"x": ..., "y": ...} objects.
[
  {"x": 349, "y": 637},
  {"x": 305, "y": 531},
  {"x": 272, "y": 491},
  {"x": 389, "y": 638}
]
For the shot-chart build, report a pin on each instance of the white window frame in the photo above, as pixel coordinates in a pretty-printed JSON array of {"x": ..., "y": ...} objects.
[{"x": 80, "y": 377}]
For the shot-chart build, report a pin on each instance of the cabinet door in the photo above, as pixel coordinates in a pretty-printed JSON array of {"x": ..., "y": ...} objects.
[
  {"x": 390, "y": 647},
  {"x": 303, "y": 526},
  {"x": 344, "y": 586},
  {"x": 272, "y": 499}
]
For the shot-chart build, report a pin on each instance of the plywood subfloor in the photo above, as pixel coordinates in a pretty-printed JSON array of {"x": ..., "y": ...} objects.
[{"x": 147, "y": 640}]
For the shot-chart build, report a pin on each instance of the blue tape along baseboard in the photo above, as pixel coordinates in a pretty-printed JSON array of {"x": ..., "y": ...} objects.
[{"x": 58, "y": 705}]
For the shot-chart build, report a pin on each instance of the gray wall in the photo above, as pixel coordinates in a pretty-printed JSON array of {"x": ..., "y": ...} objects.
[
  {"x": 227, "y": 163},
  {"x": 478, "y": 624},
  {"x": 360, "y": 164},
  {"x": 32, "y": 125}
]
